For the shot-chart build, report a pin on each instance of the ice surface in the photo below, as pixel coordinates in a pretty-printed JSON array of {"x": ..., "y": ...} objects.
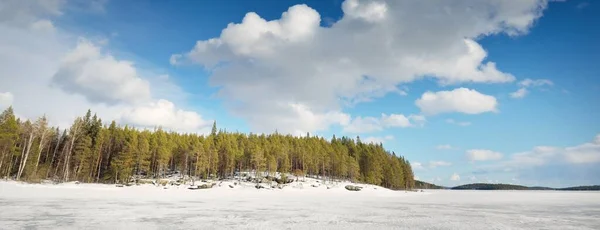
[{"x": 93, "y": 206}]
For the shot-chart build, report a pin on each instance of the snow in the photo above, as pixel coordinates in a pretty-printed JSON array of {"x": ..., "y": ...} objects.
[{"x": 95, "y": 206}]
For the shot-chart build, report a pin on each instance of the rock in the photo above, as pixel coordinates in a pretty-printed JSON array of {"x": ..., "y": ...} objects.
[
  {"x": 119, "y": 185},
  {"x": 353, "y": 188},
  {"x": 284, "y": 180},
  {"x": 259, "y": 186},
  {"x": 206, "y": 186},
  {"x": 231, "y": 186},
  {"x": 76, "y": 182},
  {"x": 314, "y": 186}
]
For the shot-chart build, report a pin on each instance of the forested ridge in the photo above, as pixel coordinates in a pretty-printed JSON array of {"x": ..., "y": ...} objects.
[
  {"x": 92, "y": 151},
  {"x": 484, "y": 186}
]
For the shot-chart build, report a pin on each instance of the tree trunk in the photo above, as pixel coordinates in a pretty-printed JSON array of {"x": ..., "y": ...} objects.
[
  {"x": 2, "y": 161},
  {"x": 40, "y": 152},
  {"x": 24, "y": 161},
  {"x": 69, "y": 153},
  {"x": 10, "y": 166},
  {"x": 59, "y": 159},
  {"x": 99, "y": 163},
  {"x": 53, "y": 156}
]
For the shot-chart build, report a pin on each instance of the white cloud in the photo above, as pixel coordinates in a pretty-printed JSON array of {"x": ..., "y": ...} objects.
[
  {"x": 92, "y": 72},
  {"x": 529, "y": 83},
  {"x": 371, "y": 12},
  {"x": 164, "y": 113},
  {"x": 363, "y": 125},
  {"x": 416, "y": 165},
  {"x": 373, "y": 124},
  {"x": 435, "y": 164},
  {"x": 377, "y": 140},
  {"x": 519, "y": 93},
  {"x": 444, "y": 147},
  {"x": 473, "y": 178},
  {"x": 535, "y": 83},
  {"x": 483, "y": 155},
  {"x": 26, "y": 13},
  {"x": 587, "y": 153},
  {"x": 459, "y": 123},
  {"x": 455, "y": 177},
  {"x": 45, "y": 26},
  {"x": 294, "y": 60},
  {"x": 6, "y": 100},
  {"x": 100, "y": 77},
  {"x": 461, "y": 100}
]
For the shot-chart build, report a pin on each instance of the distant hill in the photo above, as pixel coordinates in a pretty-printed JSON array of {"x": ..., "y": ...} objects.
[
  {"x": 582, "y": 188},
  {"x": 484, "y": 186},
  {"x": 424, "y": 185}
]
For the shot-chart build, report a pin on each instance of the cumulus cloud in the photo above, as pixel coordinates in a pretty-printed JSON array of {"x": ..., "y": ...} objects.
[
  {"x": 461, "y": 100},
  {"x": 45, "y": 26},
  {"x": 529, "y": 83},
  {"x": 416, "y": 165},
  {"x": 556, "y": 166},
  {"x": 27, "y": 13},
  {"x": 373, "y": 124},
  {"x": 455, "y": 177},
  {"x": 520, "y": 93},
  {"x": 483, "y": 155},
  {"x": 587, "y": 153},
  {"x": 100, "y": 77},
  {"x": 70, "y": 76},
  {"x": 535, "y": 83},
  {"x": 293, "y": 60},
  {"x": 163, "y": 113},
  {"x": 6, "y": 100}
]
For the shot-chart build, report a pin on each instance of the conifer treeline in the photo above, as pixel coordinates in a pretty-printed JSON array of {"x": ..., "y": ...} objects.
[{"x": 90, "y": 151}]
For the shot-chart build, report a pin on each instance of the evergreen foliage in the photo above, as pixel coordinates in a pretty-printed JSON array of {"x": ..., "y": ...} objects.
[{"x": 90, "y": 151}]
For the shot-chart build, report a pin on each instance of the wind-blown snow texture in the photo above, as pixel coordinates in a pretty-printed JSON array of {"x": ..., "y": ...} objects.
[{"x": 88, "y": 206}]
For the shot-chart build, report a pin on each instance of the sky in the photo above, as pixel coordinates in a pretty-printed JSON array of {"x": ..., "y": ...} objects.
[{"x": 494, "y": 91}]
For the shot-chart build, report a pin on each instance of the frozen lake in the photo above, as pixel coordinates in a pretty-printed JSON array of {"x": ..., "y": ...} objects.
[{"x": 71, "y": 206}]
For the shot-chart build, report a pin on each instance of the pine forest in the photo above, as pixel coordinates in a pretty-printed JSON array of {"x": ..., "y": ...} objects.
[{"x": 95, "y": 152}]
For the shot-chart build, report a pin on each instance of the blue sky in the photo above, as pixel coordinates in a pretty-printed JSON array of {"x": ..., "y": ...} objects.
[{"x": 468, "y": 92}]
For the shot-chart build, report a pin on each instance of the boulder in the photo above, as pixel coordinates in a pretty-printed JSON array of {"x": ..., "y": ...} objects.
[
  {"x": 353, "y": 188},
  {"x": 259, "y": 186},
  {"x": 119, "y": 185},
  {"x": 284, "y": 180},
  {"x": 231, "y": 186}
]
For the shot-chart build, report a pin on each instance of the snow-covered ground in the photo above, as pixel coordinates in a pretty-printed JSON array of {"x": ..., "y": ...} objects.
[{"x": 93, "y": 206}]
